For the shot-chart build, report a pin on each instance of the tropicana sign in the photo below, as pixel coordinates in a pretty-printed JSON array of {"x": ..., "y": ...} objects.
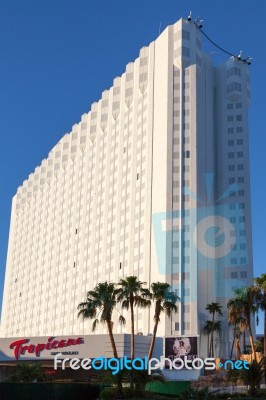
[{"x": 22, "y": 346}]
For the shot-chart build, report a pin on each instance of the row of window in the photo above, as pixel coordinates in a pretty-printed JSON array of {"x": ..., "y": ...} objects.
[
  {"x": 240, "y": 167},
  {"x": 243, "y": 274},
  {"x": 230, "y": 106},
  {"x": 232, "y": 142},
  {"x": 239, "y": 154},
  {"x": 186, "y": 326},
  {"x": 239, "y": 129}
]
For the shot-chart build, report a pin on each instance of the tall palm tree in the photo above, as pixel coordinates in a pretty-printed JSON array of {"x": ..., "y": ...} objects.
[
  {"x": 261, "y": 286},
  {"x": 214, "y": 309},
  {"x": 260, "y": 283},
  {"x": 131, "y": 294},
  {"x": 239, "y": 325},
  {"x": 99, "y": 305},
  {"x": 165, "y": 301},
  {"x": 245, "y": 299}
]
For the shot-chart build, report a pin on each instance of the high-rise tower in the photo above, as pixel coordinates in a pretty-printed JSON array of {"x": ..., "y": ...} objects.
[{"x": 153, "y": 182}]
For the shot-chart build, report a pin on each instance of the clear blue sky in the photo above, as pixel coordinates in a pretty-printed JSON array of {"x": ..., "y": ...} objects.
[{"x": 57, "y": 56}]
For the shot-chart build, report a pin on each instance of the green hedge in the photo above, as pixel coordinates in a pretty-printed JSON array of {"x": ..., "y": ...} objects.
[
  {"x": 172, "y": 388},
  {"x": 51, "y": 391}
]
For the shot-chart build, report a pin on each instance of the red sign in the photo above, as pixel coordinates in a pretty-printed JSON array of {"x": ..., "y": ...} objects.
[{"x": 20, "y": 347}]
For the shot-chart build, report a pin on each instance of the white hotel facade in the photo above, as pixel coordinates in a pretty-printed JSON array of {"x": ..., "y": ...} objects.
[{"x": 153, "y": 182}]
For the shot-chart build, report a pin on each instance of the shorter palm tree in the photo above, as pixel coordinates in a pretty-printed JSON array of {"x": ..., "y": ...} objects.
[
  {"x": 210, "y": 327},
  {"x": 28, "y": 373},
  {"x": 214, "y": 308},
  {"x": 165, "y": 301}
]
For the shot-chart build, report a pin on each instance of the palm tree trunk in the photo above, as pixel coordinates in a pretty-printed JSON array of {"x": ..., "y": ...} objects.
[
  {"x": 233, "y": 343},
  {"x": 265, "y": 335},
  {"x": 244, "y": 341},
  {"x": 112, "y": 340},
  {"x": 132, "y": 330},
  {"x": 153, "y": 338},
  {"x": 111, "y": 336},
  {"x": 264, "y": 346},
  {"x": 252, "y": 340}
]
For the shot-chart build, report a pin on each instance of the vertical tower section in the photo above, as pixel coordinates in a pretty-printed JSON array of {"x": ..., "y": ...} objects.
[
  {"x": 235, "y": 263},
  {"x": 184, "y": 167}
]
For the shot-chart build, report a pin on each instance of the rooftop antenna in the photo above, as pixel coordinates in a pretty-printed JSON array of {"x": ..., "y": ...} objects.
[
  {"x": 199, "y": 24},
  {"x": 239, "y": 57},
  {"x": 190, "y": 16}
]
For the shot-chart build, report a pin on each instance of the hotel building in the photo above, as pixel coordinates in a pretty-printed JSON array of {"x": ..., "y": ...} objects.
[{"x": 154, "y": 182}]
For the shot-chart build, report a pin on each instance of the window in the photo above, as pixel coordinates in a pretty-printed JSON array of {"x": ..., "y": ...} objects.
[
  {"x": 243, "y": 274},
  {"x": 230, "y": 118},
  {"x": 232, "y": 219},
  {"x": 231, "y": 143},
  {"x": 187, "y": 154},
  {"x": 234, "y": 275},
  {"x": 232, "y": 206},
  {"x": 176, "y": 326},
  {"x": 230, "y": 106},
  {"x": 187, "y": 308},
  {"x": 231, "y": 167},
  {"x": 233, "y": 260},
  {"x": 242, "y": 232},
  {"x": 231, "y": 155},
  {"x": 238, "y": 106},
  {"x": 234, "y": 87},
  {"x": 185, "y": 51},
  {"x": 241, "y": 192},
  {"x": 239, "y": 129},
  {"x": 231, "y": 180},
  {"x": 241, "y": 206},
  {"x": 186, "y": 326},
  {"x": 239, "y": 141},
  {"x": 230, "y": 130},
  {"x": 242, "y": 218},
  {"x": 241, "y": 179},
  {"x": 239, "y": 117},
  {"x": 243, "y": 260},
  {"x": 233, "y": 71},
  {"x": 240, "y": 167},
  {"x": 185, "y": 34},
  {"x": 187, "y": 292},
  {"x": 242, "y": 246},
  {"x": 240, "y": 154}
]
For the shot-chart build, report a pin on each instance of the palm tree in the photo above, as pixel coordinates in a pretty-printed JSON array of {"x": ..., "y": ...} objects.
[
  {"x": 245, "y": 301},
  {"x": 99, "y": 305},
  {"x": 261, "y": 285},
  {"x": 28, "y": 373},
  {"x": 209, "y": 328},
  {"x": 214, "y": 308},
  {"x": 238, "y": 321},
  {"x": 165, "y": 301},
  {"x": 131, "y": 294}
]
